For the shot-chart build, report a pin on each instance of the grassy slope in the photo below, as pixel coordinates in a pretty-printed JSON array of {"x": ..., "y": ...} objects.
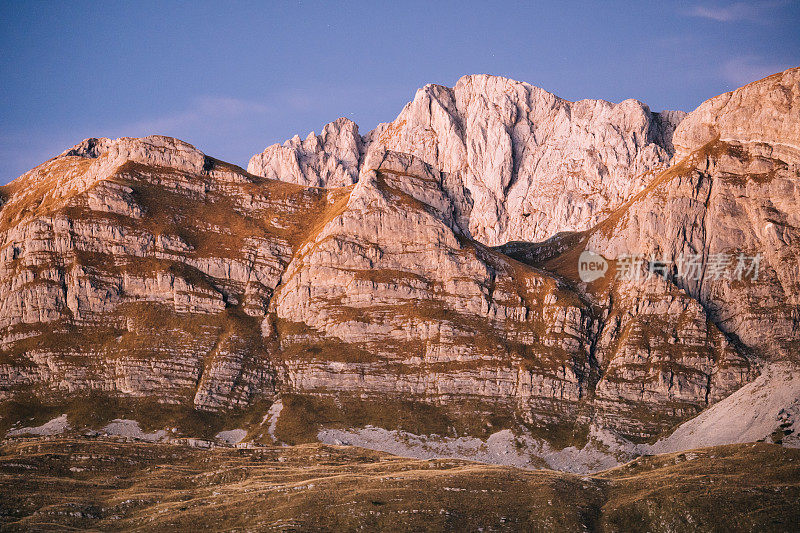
[{"x": 108, "y": 485}]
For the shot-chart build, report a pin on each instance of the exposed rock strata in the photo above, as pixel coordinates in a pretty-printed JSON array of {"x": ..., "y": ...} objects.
[
  {"x": 134, "y": 266},
  {"x": 143, "y": 268},
  {"x": 729, "y": 197},
  {"x": 213, "y": 303}
]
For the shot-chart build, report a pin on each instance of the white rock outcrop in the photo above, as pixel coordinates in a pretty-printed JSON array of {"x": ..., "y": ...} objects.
[{"x": 330, "y": 159}]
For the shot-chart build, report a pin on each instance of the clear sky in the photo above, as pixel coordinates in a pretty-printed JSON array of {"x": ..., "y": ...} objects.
[{"x": 234, "y": 77}]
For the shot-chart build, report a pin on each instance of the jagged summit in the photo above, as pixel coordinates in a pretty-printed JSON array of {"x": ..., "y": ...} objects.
[
  {"x": 331, "y": 158},
  {"x": 532, "y": 163}
]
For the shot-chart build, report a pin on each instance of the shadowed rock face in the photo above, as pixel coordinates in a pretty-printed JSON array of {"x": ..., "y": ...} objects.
[{"x": 144, "y": 269}]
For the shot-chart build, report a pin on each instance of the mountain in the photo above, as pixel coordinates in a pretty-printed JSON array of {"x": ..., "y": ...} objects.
[{"x": 418, "y": 289}]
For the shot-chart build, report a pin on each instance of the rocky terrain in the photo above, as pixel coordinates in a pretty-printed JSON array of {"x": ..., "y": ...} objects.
[{"x": 417, "y": 289}]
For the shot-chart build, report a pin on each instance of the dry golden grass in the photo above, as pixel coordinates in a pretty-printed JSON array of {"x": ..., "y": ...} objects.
[{"x": 104, "y": 485}]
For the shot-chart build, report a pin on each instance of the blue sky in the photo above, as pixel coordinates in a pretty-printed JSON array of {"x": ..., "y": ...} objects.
[{"x": 232, "y": 80}]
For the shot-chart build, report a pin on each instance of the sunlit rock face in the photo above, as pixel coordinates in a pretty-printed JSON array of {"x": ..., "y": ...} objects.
[
  {"x": 736, "y": 192},
  {"x": 144, "y": 269},
  {"x": 141, "y": 266},
  {"x": 764, "y": 112},
  {"x": 330, "y": 159},
  {"x": 532, "y": 164}
]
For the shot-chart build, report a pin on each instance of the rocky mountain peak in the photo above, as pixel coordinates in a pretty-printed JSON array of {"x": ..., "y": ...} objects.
[
  {"x": 96, "y": 161},
  {"x": 90, "y": 148},
  {"x": 532, "y": 163},
  {"x": 156, "y": 150},
  {"x": 329, "y": 159}
]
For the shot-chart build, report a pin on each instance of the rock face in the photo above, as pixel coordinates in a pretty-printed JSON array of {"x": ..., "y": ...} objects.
[
  {"x": 327, "y": 160},
  {"x": 728, "y": 207},
  {"x": 145, "y": 261},
  {"x": 142, "y": 269},
  {"x": 728, "y": 202},
  {"x": 424, "y": 312},
  {"x": 532, "y": 164}
]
